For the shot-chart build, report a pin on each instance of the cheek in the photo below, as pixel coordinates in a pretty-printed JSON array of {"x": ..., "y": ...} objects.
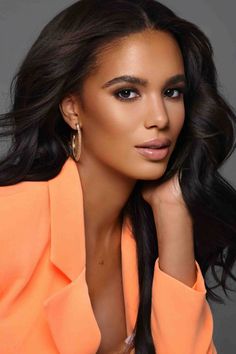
[
  {"x": 107, "y": 132},
  {"x": 106, "y": 126},
  {"x": 177, "y": 118},
  {"x": 109, "y": 119}
]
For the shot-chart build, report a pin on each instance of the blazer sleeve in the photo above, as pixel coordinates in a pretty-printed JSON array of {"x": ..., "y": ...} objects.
[{"x": 181, "y": 318}]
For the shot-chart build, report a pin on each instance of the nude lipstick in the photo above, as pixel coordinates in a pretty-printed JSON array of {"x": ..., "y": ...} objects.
[{"x": 155, "y": 149}]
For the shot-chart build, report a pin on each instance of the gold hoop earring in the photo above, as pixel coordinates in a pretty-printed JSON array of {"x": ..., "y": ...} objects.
[{"x": 76, "y": 143}]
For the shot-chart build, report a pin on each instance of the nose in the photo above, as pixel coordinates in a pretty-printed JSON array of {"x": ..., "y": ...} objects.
[{"x": 156, "y": 113}]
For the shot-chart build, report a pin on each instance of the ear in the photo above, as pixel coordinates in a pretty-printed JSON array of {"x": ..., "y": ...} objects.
[{"x": 70, "y": 111}]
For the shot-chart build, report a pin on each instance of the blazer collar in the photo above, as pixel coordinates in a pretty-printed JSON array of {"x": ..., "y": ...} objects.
[{"x": 68, "y": 254}]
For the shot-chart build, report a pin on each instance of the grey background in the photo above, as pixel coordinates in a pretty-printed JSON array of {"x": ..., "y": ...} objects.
[{"x": 20, "y": 24}]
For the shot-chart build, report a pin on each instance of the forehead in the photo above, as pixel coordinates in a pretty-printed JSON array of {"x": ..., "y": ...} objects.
[{"x": 150, "y": 54}]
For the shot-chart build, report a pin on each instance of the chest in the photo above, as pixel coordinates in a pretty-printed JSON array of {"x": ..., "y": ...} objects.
[{"x": 106, "y": 295}]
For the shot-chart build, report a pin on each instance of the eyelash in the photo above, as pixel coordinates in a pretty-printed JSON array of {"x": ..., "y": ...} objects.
[{"x": 182, "y": 91}]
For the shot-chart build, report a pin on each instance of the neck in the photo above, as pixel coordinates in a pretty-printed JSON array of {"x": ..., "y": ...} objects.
[{"x": 105, "y": 192}]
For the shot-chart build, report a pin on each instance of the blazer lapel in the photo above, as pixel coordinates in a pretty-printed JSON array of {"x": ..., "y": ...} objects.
[{"x": 69, "y": 310}]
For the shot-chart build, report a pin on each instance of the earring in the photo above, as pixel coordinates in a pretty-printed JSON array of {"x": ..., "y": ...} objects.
[{"x": 76, "y": 143}]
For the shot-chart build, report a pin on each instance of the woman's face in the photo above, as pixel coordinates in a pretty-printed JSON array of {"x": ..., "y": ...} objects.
[{"x": 120, "y": 115}]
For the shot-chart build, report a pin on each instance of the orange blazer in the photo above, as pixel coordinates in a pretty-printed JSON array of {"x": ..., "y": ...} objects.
[{"x": 45, "y": 306}]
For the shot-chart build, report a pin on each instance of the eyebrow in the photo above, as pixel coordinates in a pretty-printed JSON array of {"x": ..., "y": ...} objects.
[{"x": 142, "y": 82}]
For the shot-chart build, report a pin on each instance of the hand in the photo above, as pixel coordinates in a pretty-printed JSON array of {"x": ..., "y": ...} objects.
[
  {"x": 168, "y": 192},
  {"x": 174, "y": 227}
]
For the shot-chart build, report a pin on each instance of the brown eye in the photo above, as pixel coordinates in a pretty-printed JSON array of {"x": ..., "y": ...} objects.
[
  {"x": 180, "y": 91},
  {"x": 124, "y": 94}
]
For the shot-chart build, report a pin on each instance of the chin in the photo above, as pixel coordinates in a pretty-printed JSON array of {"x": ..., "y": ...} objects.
[{"x": 151, "y": 174}]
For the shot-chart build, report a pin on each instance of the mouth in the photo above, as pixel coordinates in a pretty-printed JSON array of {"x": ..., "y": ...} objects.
[{"x": 153, "y": 153}]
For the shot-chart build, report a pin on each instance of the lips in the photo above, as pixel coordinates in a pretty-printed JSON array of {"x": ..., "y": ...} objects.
[
  {"x": 155, "y": 143},
  {"x": 153, "y": 154}
]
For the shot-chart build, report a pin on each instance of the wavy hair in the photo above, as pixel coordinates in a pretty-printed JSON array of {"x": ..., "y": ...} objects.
[{"x": 64, "y": 54}]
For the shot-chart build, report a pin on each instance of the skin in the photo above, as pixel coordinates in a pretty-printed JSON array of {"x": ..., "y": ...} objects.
[
  {"x": 109, "y": 165},
  {"x": 111, "y": 128}
]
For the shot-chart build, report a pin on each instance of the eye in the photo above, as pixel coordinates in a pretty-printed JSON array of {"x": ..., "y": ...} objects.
[
  {"x": 125, "y": 92},
  {"x": 180, "y": 92}
]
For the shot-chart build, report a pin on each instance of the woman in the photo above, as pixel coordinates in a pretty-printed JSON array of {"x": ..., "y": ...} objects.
[{"x": 112, "y": 208}]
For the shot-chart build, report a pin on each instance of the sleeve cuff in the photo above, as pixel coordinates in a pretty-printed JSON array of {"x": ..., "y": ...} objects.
[{"x": 199, "y": 285}]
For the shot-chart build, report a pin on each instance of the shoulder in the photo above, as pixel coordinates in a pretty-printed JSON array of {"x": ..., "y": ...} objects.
[
  {"x": 28, "y": 197},
  {"x": 22, "y": 187},
  {"x": 20, "y": 201},
  {"x": 24, "y": 232}
]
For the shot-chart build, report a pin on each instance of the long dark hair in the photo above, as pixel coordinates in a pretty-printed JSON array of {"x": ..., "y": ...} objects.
[{"x": 65, "y": 53}]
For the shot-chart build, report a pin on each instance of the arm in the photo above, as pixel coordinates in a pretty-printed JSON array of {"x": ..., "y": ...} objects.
[
  {"x": 181, "y": 318},
  {"x": 175, "y": 242}
]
